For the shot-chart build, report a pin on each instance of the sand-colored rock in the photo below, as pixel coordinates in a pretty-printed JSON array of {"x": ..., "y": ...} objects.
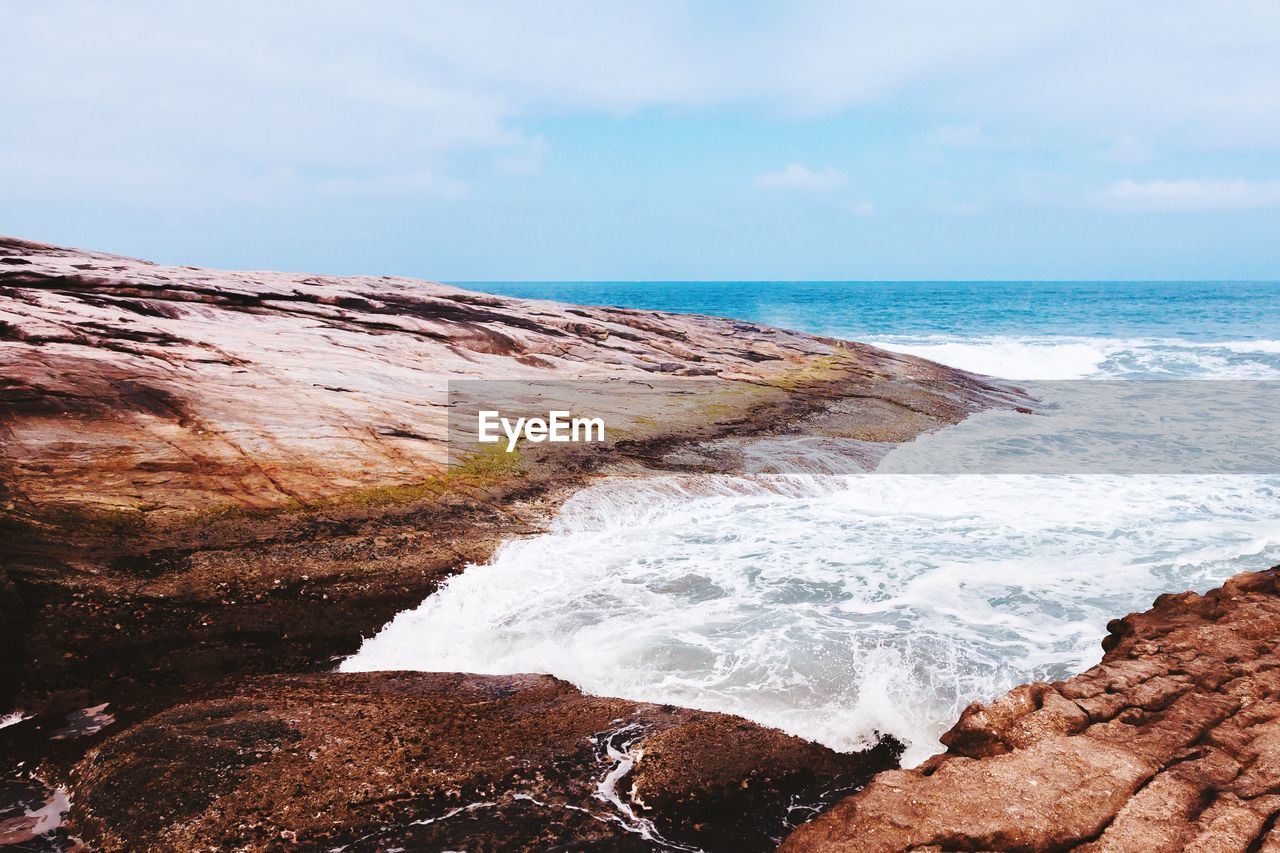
[
  {"x": 1171, "y": 743},
  {"x": 131, "y": 391}
]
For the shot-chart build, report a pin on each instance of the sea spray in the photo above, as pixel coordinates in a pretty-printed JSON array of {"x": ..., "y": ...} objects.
[{"x": 841, "y": 606}]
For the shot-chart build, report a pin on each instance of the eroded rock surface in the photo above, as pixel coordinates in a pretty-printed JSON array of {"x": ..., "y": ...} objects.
[
  {"x": 430, "y": 761},
  {"x": 1171, "y": 743},
  {"x": 132, "y": 390},
  {"x": 205, "y": 473}
]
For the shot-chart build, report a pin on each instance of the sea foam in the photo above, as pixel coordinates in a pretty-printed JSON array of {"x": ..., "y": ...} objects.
[
  {"x": 843, "y": 606},
  {"x": 1060, "y": 358}
]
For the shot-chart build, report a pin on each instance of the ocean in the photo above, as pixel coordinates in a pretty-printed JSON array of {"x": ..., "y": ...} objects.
[{"x": 842, "y": 607}]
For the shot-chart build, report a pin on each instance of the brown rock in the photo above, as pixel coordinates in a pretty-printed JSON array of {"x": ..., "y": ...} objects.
[
  {"x": 205, "y": 473},
  {"x": 1171, "y": 743},
  {"x": 431, "y": 761},
  {"x": 137, "y": 394}
]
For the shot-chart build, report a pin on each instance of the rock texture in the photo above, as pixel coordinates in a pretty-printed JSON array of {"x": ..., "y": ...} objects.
[
  {"x": 205, "y": 473},
  {"x": 1171, "y": 743},
  {"x": 135, "y": 391},
  {"x": 426, "y": 761}
]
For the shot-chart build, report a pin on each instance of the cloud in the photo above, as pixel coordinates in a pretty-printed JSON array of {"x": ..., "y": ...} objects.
[
  {"x": 351, "y": 96},
  {"x": 1191, "y": 194},
  {"x": 422, "y": 182},
  {"x": 527, "y": 161},
  {"x": 1128, "y": 149},
  {"x": 956, "y": 135},
  {"x": 863, "y": 209},
  {"x": 794, "y": 176}
]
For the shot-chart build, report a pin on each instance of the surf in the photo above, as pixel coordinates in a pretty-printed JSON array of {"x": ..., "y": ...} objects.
[{"x": 845, "y": 606}]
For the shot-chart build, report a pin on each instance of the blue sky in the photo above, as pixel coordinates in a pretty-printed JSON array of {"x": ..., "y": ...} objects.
[{"x": 550, "y": 140}]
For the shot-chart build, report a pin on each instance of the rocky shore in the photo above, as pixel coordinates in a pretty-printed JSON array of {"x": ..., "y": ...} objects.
[
  {"x": 209, "y": 473},
  {"x": 211, "y": 482},
  {"x": 426, "y": 761},
  {"x": 214, "y": 484},
  {"x": 1171, "y": 743}
]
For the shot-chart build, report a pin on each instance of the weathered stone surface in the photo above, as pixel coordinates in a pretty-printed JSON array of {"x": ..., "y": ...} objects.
[
  {"x": 132, "y": 391},
  {"x": 206, "y": 475},
  {"x": 1171, "y": 743},
  {"x": 205, "y": 472},
  {"x": 428, "y": 761}
]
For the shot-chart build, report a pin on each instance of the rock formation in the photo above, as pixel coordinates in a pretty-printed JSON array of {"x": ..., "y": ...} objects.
[
  {"x": 430, "y": 761},
  {"x": 1171, "y": 743},
  {"x": 205, "y": 473},
  {"x": 211, "y": 481},
  {"x": 135, "y": 392}
]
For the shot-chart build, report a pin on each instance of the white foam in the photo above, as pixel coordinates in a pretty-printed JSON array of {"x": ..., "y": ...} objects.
[
  {"x": 883, "y": 607},
  {"x": 839, "y": 607},
  {"x": 37, "y": 822},
  {"x": 1057, "y": 358},
  {"x": 12, "y": 719},
  {"x": 1008, "y": 357}
]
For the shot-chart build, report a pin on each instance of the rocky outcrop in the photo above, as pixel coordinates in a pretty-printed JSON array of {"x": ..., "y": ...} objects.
[
  {"x": 206, "y": 473},
  {"x": 134, "y": 393},
  {"x": 428, "y": 761},
  {"x": 1171, "y": 743},
  {"x": 207, "y": 476}
]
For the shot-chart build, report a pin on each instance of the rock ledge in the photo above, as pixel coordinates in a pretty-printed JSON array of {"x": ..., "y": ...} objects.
[{"x": 1171, "y": 743}]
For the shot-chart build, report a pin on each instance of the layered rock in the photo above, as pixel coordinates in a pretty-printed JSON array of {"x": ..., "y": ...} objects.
[
  {"x": 205, "y": 473},
  {"x": 1171, "y": 743},
  {"x": 133, "y": 392},
  {"x": 428, "y": 761}
]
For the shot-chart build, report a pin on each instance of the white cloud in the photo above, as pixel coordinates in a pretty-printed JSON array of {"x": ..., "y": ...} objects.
[
  {"x": 338, "y": 91},
  {"x": 794, "y": 176},
  {"x": 1191, "y": 194},
  {"x": 957, "y": 135},
  {"x": 527, "y": 161},
  {"x": 389, "y": 184},
  {"x": 863, "y": 209},
  {"x": 1128, "y": 149}
]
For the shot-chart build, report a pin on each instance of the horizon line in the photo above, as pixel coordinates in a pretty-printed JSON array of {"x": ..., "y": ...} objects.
[{"x": 455, "y": 281}]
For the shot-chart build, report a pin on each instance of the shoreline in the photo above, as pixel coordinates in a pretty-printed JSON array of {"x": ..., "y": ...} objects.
[
  {"x": 153, "y": 616},
  {"x": 212, "y": 641},
  {"x": 339, "y": 538},
  {"x": 1167, "y": 744}
]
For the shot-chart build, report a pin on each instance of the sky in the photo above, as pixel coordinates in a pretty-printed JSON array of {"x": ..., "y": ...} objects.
[{"x": 970, "y": 139}]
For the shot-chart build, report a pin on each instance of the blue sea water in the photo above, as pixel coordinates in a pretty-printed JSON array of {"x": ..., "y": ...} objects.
[
  {"x": 1023, "y": 330},
  {"x": 843, "y": 607},
  {"x": 1191, "y": 311}
]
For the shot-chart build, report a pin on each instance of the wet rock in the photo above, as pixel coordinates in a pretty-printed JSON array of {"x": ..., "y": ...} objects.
[
  {"x": 31, "y": 815},
  {"x": 449, "y": 761},
  {"x": 1171, "y": 743}
]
